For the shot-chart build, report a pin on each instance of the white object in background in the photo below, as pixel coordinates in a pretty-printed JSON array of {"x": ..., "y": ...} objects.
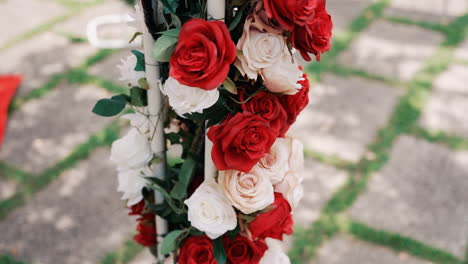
[
  {"x": 92, "y": 31},
  {"x": 216, "y": 10}
]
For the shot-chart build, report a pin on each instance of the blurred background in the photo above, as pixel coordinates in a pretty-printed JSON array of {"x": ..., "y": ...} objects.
[{"x": 385, "y": 134}]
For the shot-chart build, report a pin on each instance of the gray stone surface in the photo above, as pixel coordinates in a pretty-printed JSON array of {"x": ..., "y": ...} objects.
[
  {"x": 391, "y": 50},
  {"x": 75, "y": 220},
  {"x": 320, "y": 183},
  {"x": 78, "y": 25},
  {"x": 46, "y": 130},
  {"x": 344, "y": 115},
  {"x": 462, "y": 52},
  {"x": 144, "y": 258},
  {"x": 38, "y": 58},
  {"x": 7, "y": 188},
  {"x": 344, "y": 250},
  {"x": 108, "y": 67},
  {"x": 442, "y": 11},
  {"x": 421, "y": 193},
  {"x": 447, "y": 107},
  {"x": 21, "y": 16},
  {"x": 343, "y": 12}
]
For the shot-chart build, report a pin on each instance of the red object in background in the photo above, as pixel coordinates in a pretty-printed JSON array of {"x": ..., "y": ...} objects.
[{"x": 8, "y": 86}]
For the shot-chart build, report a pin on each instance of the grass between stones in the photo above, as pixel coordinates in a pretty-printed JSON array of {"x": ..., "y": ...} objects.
[
  {"x": 8, "y": 259},
  {"x": 453, "y": 142},
  {"x": 403, "y": 120},
  {"x": 128, "y": 251},
  {"x": 36, "y": 183}
]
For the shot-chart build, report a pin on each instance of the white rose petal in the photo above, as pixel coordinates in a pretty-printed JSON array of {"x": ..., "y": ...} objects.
[
  {"x": 274, "y": 254},
  {"x": 209, "y": 210},
  {"x": 139, "y": 121},
  {"x": 132, "y": 151},
  {"x": 283, "y": 77},
  {"x": 275, "y": 164},
  {"x": 185, "y": 99},
  {"x": 127, "y": 72},
  {"x": 131, "y": 182},
  {"x": 248, "y": 192},
  {"x": 259, "y": 49}
]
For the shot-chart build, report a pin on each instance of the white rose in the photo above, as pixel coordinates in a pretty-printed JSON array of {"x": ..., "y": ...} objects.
[
  {"x": 139, "y": 121},
  {"x": 132, "y": 151},
  {"x": 274, "y": 254},
  {"x": 248, "y": 192},
  {"x": 291, "y": 184},
  {"x": 259, "y": 49},
  {"x": 185, "y": 99},
  {"x": 131, "y": 182},
  {"x": 127, "y": 72},
  {"x": 275, "y": 164},
  {"x": 283, "y": 76},
  {"x": 209, "y": 210}
]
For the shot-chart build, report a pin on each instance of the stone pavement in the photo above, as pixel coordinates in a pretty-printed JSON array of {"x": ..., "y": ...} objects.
[{"x": 386, "y": 136}]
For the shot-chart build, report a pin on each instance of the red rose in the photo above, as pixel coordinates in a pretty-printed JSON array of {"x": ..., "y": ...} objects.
[
  {"x": 306, "y": 10},
  {"x": 146, "y": 225},
  {"x": 241, "y": 141},
  {"x": 314, "y": 37},
  {"x": 197, "y": 250},
  {"x": 274, "y": 223},
  {"x": 268, "y": 106},
  {"x": 294, "y": 104},
  {"x": 242, "y": 250},
  {"x": 203, "y": 54},
  {"x": 282, "y": 11}
]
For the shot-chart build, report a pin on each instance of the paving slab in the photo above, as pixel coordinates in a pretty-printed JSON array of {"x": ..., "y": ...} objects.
[
  {"x": 46, "y": 130},
  {"x": 26, "y": 15},
  {"x": 76, "y": 220},
  {"x": 344, "y": 250},
  {"x": 343, "y": 12},
  {"x": 40, "y": 57},
  {"x": 7, "y": 188},
  {"x": 462, "y": 52},
  {"x": 144, "y": 257},
  {"x": 420, "y": 193},
  {"x": 440, "y": 11},
  {"x": 447, "y": 107},
  {"x": 78, "y": 25},
  {"x": 344, "y": 115},
  {"x": 320, "y": 183},
  {"x": 391, "y": 50}
]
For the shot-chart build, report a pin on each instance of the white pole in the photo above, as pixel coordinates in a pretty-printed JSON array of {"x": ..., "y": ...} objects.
[
  {"x": 216, "y": 11},
  {"x": 155, "y": 111}
]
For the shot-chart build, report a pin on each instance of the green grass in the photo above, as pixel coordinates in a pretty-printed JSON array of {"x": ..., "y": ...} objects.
[
  {"x": 423, "y": 24},
  {"x": 329, "y": 160},
  {"x": 128, "y": 251},
  {"x": 453, "y": 142},
  {"x": 12, "y": 173},
  {"x": 38, "y": 182},
  {"x": 8, "y": 259},
  {"x": 401, "y": 243}
]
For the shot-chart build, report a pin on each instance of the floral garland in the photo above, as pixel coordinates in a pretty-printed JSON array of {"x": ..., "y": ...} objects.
[{"x": 237, "y": 85}]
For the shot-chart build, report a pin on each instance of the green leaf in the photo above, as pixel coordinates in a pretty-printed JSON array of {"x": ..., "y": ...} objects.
[
  {"x": 233, "y": 233},
  {"x": 171, "y": 32},
  {"x": 164, "y": 47},
  {"x": 186, "y": 171},
  {"x": 230, "y": 86},
  {"x": 236, "y": 20},
  {"x": 170, "y": 242},
  {"x": 170, "y": 5},
  {"x": 179, "y": 191},
  {"x": 135, "y": 36},
  {"x": 110, "y": 107},
  {"x": 219, "y": 252},
  {"x": 138, "y": 96},
  {"x": 140, "y": 66},
  {"x": 174, "y": 138}
]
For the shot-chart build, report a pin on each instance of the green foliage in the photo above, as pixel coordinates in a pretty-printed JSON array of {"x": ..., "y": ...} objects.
[
  {"x": 8, "y": 259},
  {"x": 172, "y": 240},
  {"x": 138, "y": 96},
  {"x": 110, "y": 107},
  {"x": 219, "y": 252},
  {"x": 164, "y": 47},
  {"x": 140, "y": 66}
]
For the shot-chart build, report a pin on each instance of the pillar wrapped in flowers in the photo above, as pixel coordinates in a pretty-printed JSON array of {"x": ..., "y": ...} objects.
[{"x": 208, "y": 164}]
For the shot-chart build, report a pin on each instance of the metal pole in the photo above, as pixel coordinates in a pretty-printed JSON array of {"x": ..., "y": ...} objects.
[{"x": 155, "y": 106}]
